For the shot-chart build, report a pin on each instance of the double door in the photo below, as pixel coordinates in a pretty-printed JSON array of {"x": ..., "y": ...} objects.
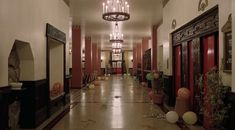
[
  {"x": 191, "y": 60},
  {"x": 117, "y": 67}
]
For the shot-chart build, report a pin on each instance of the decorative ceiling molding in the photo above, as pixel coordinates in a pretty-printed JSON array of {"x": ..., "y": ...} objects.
[{"x": 164, "y": 2}]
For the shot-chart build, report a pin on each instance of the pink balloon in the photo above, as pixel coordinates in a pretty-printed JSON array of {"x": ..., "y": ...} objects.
[{"x": 184, "y": 93}]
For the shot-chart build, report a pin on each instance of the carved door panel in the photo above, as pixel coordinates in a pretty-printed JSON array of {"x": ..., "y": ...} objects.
[
  {"x": 191, "y": 72},
  {"x": 195, "y": 72},
  {"x": 185, "y": 65}
]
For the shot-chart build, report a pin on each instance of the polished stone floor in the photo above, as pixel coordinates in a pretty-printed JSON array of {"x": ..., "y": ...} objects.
[{"x": 116, "y": 104}]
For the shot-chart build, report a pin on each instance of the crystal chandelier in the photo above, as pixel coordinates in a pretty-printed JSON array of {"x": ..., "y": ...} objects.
[
  {"x": 116, "y": 10},
  {"x": 117, "y": 51},
  {"x": 116, "y": 36},
  {"x": 116, "y": 45}
]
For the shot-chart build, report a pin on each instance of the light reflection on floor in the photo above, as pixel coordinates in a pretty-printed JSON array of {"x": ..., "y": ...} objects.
[
  {"x": 117, "y": 117},
  {"x": 118, "y": 104}
]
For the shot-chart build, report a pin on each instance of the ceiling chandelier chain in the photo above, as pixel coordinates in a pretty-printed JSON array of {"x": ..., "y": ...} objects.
[
  {"x": 116, "y": 39},
  {"x": 116, "y": 10}
]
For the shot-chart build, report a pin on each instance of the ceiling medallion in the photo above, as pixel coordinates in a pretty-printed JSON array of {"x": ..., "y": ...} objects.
[
  {"x": 202, "y": 5},
  {"x": 116, "y": 10},
  {"x": 116, "y": 36}
]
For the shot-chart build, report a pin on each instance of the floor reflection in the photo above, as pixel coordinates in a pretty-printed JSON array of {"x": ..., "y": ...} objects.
[
  {"x": 117, "y": 104},
  {"x": 117, "y": 115}
]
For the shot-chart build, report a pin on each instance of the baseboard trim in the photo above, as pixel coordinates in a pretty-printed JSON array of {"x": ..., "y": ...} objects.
[{"x": 52, "y": 123}]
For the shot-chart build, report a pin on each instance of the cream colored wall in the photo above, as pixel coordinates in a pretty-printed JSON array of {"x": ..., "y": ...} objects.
[
  {"x": 130, "y": 57},
  {"x": 233, "y": 47},
  {"x": 26, "y": 61},
  {"x": 160, "y": 57},
  {"x": 185, "y": 11},
  {"x": 105, "y": 56},
  {"x": 26, "y": 20},
  {"x": 160, "y": 62},
  {"x": 69, "y": 55},
  {"x": 150, "y": 44}
]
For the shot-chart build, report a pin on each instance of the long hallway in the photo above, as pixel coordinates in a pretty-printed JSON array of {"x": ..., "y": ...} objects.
[{"x": 117, "y": 104}]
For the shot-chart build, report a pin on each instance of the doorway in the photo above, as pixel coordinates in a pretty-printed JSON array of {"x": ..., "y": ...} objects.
[
  {"x": 56, "y": 67},
  {"x": 117, "y": 67},
  {"x": 195, "y": 52},
  {"x": 117, "y": 63},
  {"x": 55, "y": 57}
]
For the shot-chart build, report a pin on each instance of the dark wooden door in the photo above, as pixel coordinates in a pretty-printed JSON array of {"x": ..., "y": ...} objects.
[
  {"x": 191, "y": 72},
  {"x": 177, "y": 68}
]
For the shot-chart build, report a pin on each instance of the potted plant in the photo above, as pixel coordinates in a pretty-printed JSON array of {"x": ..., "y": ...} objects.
[
  {"x": 157, "y": 88},
  {"x": 214, "y": 107}
]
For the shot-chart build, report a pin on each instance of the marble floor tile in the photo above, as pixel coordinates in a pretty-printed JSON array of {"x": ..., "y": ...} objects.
[{"x": 117, "y": 104}]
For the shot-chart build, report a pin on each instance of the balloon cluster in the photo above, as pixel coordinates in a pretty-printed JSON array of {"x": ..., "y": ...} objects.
[
  {"x": 91, "y": 86},
  {"x": 106, "y": 78},
  {"x": 149, "y": 76},
  {"x": 189, "y": 117},
  {"x": 99, "y": 78}
]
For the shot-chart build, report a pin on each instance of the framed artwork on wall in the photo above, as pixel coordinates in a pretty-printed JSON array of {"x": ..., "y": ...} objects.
[{"x": 227, "y": 32}]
